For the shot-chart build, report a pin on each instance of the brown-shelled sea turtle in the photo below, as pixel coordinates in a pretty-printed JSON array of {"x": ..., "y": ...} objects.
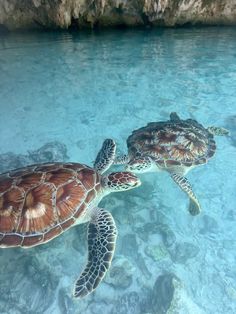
[
  {"x": 39, "y": 202},
  {"x": 175, "y": 146}
]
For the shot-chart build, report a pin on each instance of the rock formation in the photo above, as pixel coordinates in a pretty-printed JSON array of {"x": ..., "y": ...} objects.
[{"x": 63, "y": 14}]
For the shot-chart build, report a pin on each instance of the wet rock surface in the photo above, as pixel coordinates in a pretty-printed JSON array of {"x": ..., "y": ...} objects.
[{"x": 40, "y": 14}]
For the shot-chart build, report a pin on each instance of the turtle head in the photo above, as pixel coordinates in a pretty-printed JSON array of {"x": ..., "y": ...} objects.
[
  {"x": 140, "y": 165},
  {"x": 120, "y": 181}
]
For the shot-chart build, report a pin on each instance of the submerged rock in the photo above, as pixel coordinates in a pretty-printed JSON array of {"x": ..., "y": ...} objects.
[
  {"x": 209, "y": 225},
  {"x": 167, "y": 234},
  {"x": 156, "y": 252},
  {"x": 130, "y": 248},
  {"x": 121, "y": 273},
  {"x": 10, "y": 161},
  {"x": 127, "y": 304},
  {"x": 170, "y": 297},
  {"x": 143, "y": 266},
  {"x": 52, "y": 151},
  {"x": 163, "y": 292},
  {"x": 183, "y": 251},
  {"x": 130, "y": 245},
  {"x": 66, "y": 303},
  {"x": 27, "y": 285},
  {"x": 33, "y": 14},
  {"x": 94, "y": 308}
]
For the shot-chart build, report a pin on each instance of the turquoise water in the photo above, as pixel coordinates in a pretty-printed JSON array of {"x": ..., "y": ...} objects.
[{"x": 77, "y": 90}]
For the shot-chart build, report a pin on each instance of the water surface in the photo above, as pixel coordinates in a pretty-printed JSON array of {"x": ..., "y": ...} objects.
[{"x": 79, "y": 89}]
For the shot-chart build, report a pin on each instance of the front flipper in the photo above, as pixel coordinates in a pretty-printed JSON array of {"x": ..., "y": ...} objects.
[
  {"x": 194, "y": 206},
  {"x": 215, "y": 130},
  {"x": 102, "y": 235},
  {"x": 121, "y": 160},
  {"x": 105, "y": 156}
]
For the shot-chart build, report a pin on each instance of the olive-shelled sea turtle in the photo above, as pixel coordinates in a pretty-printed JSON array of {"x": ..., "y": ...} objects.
[
  {"x": 40, "y": 202},
  {"x": 175, "y": 146}
]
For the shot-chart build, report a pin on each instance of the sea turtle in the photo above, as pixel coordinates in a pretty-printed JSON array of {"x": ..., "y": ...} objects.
[
  {"x": 175, "y": 146},
  {"x": 39, "y": 202}
]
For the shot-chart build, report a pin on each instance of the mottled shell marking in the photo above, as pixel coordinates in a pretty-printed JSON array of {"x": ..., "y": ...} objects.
[{"x": 171, "y": 143}]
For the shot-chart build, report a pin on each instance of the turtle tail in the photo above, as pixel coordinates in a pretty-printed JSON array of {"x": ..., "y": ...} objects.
[{"x": 174, "y": 117}]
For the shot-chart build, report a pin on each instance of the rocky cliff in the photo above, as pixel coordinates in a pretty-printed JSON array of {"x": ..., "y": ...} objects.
[{"x": 30, "y": 14}]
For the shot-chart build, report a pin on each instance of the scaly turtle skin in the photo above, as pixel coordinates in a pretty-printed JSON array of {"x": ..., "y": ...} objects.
[
  {"x": 175, "y": 146},
  {"x": 40, "y": 202}
]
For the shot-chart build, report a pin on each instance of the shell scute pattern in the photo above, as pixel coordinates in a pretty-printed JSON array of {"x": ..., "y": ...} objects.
[
  {"x": 68, "y": 199},
  {"x": 88, "y": 177},
  {"x": 27, "y": 181},
  {"x": 11, "y": 239},
  {"x": 170, "y": 143},
  {"x": 37, "y": 203},
  {"x": 38, "y": 212},
  {"x": 57, "y": 177},
  {"x": 32, "y": 240},
  {"x": 5, "y": 183}
]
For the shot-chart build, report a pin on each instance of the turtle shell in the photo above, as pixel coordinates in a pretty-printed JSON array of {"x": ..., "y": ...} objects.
[
  {"x": 39, "y": 202},
  {"x": 173, "y": 143}
]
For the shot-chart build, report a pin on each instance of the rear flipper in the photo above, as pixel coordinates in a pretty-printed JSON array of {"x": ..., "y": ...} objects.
[
  {"x": 214, "y": 130},
  {"x": 105, "y": 156},
  {"x": 102, "y": 235},
  {"x": 194, "y": 206}
]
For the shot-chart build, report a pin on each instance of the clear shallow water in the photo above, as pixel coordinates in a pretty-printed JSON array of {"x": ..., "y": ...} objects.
[{"x": 81, "y": 88}]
